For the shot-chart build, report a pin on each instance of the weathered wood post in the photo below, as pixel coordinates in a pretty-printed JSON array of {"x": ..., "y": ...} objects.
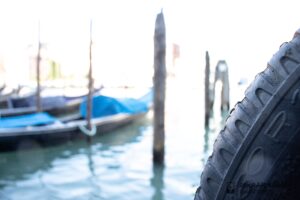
[
  {"x": 90, "y": 85},
  {"x": 225, "y": 104},
  {"x": 89, "y": 130},
  {"x": 38, "y": 79},
  {"x": 207, "y": 90},
  {"x": 221, "y": 74},
  {"x": 159, "y": 89}
]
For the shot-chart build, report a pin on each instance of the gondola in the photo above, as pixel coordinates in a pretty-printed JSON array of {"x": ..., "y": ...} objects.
[
  {"x": 5, "y": 94},
  {"x": 59, "y": 105},
  {"x": 108, "y": 114}
]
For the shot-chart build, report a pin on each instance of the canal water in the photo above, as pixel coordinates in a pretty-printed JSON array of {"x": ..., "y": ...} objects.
[{"x": 118, "y": 165}]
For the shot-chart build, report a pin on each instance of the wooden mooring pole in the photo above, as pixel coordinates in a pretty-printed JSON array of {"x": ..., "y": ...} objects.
[
  {"x": 221, "y": 73},
  {"x": 159, "y": 89},
  {"x": 90, "y": 86},
  {"x": 38, "y": 71},
  {"x": 207, "y": 90}
]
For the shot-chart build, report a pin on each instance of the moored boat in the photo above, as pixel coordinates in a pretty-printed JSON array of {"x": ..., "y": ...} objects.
[
  {"x": 108, "y": 114},
  {"x": 57, "y": 105}
]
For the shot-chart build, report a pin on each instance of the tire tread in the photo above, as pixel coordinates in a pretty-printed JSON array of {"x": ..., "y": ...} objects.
[{"x": 244, "y": 115}]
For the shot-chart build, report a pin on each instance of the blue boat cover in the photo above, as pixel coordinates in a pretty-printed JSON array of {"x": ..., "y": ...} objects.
[
  {"x": 105, "y": 105},
  {"x": 27, "y": 120}
]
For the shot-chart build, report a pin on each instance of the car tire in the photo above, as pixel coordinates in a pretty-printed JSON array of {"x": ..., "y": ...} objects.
[{"x": 257, "y": 154}]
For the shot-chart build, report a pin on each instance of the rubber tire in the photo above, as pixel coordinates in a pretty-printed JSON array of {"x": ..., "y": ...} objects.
[{"x": 257, "y": 154}]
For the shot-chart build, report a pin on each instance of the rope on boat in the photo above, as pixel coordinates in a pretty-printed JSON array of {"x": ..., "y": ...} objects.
[{"x": 88, "y": 132}]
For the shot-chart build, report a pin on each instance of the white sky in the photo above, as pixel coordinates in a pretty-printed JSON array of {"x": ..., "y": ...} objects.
[{"x": 244, "y": 33}]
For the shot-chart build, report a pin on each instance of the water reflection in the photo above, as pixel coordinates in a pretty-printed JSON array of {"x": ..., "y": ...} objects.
[
  {"x": 91, "y": 164},
  {"x": 93, "y": 176},
  {"x": 16, "y": 165},
  {"x": 216, "y": 123},
  {"x": 206, "y": 140},
  {"x": 157, "y": 182},
  {"x": 115, "y": 166},
  {"x": 206, "y": 145}
]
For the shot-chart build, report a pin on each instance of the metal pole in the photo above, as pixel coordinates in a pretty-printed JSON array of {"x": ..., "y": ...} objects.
[{"x": 159, "y": 89}]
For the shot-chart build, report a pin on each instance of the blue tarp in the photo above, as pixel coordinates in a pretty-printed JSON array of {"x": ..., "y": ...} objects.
[
  {"x": 105, "y": 105},
  {"x": 102, "y": 106},
  {"x": 26, "y": 120}
]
